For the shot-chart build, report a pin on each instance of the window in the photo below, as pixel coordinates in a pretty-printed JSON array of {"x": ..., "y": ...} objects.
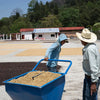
[
  {"x": 52, "y": 35},
  {"x": 40, "y": 36}
]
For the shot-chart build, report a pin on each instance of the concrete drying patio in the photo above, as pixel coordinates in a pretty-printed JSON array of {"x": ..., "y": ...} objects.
[{"x": 30, "y": 51}]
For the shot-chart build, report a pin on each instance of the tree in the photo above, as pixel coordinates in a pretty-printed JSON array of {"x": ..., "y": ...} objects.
[
  {"x": 4, "y": 25},
  {"x": 69, "y": 17},
  {"x": 17, "y": 12},
  {"x": 50, "y": 21},
  {"x": 59, "y": 2},
  {"x": 85, "y": 14},
  {"x": 34, "y": 12},
  {"x": 20, "y": 23},
  {"x": 31, "y": 5},
  {"x": 96, "y": 29},
  {"x": 4, "y": 29},
  {"x": 38, "y": 10},
  {"x": 47, "y": 9},
  {"x": 56, "y": 10},
  {"x": 4, "y": 21},
  {"x": 95, "y": 15},
  {"x": 89, "y": 13}
]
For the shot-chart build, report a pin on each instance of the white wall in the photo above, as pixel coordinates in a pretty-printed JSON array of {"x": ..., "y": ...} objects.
[
  {"x": 45, "y": 36},
  {"x": 17, "y": 36},
  {"x": 27, "y": 35}
]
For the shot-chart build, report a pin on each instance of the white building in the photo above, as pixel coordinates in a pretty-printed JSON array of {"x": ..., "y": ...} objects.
[
  {"x": 48, "y": 33},
  {"x": 39, "y": 34},
  {"x": 12, "y": 36},
  {"x": 26, "y": 34},
  {"x": 45, "y": 33}
]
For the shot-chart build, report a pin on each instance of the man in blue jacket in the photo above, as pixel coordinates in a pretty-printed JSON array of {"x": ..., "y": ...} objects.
[{"x": 54, "y": 51}]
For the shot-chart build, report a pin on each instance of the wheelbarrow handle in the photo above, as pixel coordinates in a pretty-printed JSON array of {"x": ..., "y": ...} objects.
[{"x": 55, "y": 60}]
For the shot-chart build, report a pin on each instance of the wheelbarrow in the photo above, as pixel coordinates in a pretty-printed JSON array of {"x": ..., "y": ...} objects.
[{"x": 50, "y": 91}]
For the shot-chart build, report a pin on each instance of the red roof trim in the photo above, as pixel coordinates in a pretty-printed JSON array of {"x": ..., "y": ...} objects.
[
  {"x": 70, "y": 28},
  {"x": 60, "y": 29},
  {"x": 46, "y": 28},
  {"x": 26, "y": 29}
]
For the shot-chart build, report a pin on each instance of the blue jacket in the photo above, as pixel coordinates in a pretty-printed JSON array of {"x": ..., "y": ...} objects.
[{"x": 54, "y": 51}]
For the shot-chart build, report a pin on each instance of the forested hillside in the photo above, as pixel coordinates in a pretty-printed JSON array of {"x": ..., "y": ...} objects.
[{"x": 57, "y": 13}]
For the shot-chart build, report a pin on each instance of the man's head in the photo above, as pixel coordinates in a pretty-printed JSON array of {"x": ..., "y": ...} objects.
[
  {"x": 63, "y": 38},
  {"x": 63, "y": 42},
  {"x": 87, "y": 36},
  {"x": 84, "y": 43}
]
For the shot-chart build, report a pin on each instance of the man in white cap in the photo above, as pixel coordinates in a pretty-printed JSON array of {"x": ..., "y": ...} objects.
[{"x": 91, "y": 64}]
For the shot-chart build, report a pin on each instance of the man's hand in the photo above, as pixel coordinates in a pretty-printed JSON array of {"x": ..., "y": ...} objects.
[
  {"x": 93, "y": 88},
  {"x": 46, "y": 59}
]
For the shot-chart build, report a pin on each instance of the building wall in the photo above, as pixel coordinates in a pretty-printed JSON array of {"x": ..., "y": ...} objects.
[
  {"x": 38, "y": 36},
  {"x": 70, "y": 34},
  {"x": 45, "y": 36},
  {"x": 69, "y": 31},
  {"x": 17, "y": 37},
  {"x": 26, "y": 35}
]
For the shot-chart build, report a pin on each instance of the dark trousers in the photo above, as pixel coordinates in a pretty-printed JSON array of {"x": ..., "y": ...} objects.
[
  {"x": 52, "y": 69},
  {"x": 87, "y": 91}
]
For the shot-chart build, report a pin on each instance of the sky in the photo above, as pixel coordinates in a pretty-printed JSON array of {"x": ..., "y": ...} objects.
[{"x": 7, "y": 6}]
